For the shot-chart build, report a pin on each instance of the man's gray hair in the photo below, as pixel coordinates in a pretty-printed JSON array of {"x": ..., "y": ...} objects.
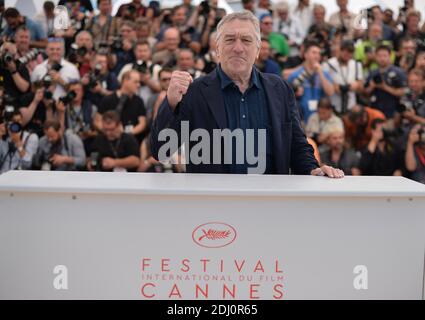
[{"x": 244, "y": 16}]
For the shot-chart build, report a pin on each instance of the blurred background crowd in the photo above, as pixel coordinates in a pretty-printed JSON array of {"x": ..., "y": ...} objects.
[{"x": 84, "y": 97}]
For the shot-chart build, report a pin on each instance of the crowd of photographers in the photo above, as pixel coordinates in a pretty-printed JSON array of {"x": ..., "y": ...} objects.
[{"x": 84, "y": 97}]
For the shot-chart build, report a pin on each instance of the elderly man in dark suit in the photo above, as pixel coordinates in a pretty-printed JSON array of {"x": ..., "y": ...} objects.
[{"x": 236, "y": 97}]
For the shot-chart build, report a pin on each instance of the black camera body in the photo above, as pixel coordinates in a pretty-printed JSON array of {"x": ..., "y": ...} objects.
[
  {"x": 377, "y": 78},
  {"x": 344, "y": 88},
  {"x": 56, "y": 66},
  {"x": 68, "y": 98},
  {"x": 140, "y": 66},
  {"x": 94, "y": 77}
]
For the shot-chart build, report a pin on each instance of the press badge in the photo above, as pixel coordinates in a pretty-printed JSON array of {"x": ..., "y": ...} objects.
[{"x": 312, "y": 105}]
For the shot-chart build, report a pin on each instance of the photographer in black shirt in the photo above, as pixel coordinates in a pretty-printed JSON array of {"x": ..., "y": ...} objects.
[{"x": 113, "y": 150}]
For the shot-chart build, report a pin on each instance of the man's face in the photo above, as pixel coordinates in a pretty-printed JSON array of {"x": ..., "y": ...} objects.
[
  {"x": 185, "y": 61},
  {"x": 324, "y": 113},
  {"x": 250, "y": 5},
  {"x": 336, "y": 140},
  {"x": 54, "y": 51},
  {"x": 342, "y": 4},
  {"x": 283, "y": 14},
  {"x": 111, "y": 130},
  {"x": 105, "y": 7},
  {"x": 408, "y": 47},
  {"x": 388, "y": 16},
  {"x": 179, "y": 17},
  {"x": 143, "y": 31},
  {"x": 383, "y": 58},
  {"x": 142, "y": 52},
  {"x": 171, "y": 39},
  {"x": 164, "y": 80},
  {"x": 264, "y": 51},
  {"x": 415, "y": 83},
  {"x": 237, "y": 47},
  {"x": 12, "y": 22},
  {"x": 84, "y": 40},
  {"x": 22, "y": 39},
  {"x": 266, "y": 25},
  {"x": 413, "y": 23},
  {"x": 133, "y": 83},
  {"x": 375, "y": 32},
  {"x": 127, "y": 32},
  {"x": 52, "y": 135},
  {"x": 103, "y": 62},
  {"x": 345, "y": 55},
  {"x": 312, "y": 55},
  {"x": 17, "y": 118},
  {"x": 319, "y": 14}
]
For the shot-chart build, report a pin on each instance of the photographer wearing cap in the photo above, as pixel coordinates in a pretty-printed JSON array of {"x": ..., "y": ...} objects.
[
  {"x": 347, "y": 75},
  {"x": 113, "y": 150},
  {"x": 17, "y": 146},
  {"x": 56, "y": 67},
  {"x": 415, "y": 153},
  {"x": 59, "y": 150},
  {"x": 385, "y": 85}
]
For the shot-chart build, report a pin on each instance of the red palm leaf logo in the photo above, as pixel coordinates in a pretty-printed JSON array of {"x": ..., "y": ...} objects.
[{"x": 214, "y": 235}]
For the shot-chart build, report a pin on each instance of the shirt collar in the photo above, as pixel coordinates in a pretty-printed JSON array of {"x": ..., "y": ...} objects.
[{"x": 226, "y": 81}]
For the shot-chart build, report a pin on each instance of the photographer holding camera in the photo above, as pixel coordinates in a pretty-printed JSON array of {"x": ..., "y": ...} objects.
[
  {"x": 382, "y": 156},
  {"x": 189, "y": 36},
  {"x": 14, "y": 20},
  {"x": 310, "y": 82},
  {"x": 81, "y": 52},
  {"x": 122, "y": 46},
  {"x": 16, "y": 78},
  {"x": 79, "y": 114},
  {"x": 347, "y": 75},
  {"x": 56, "y": 67},
  {"x": 103, "y": 25},
  {"x": 148, "y": 71},
  {"x": 385, "y": 85},
  {"x": 412, "y": 104},
  {"x": 27, "y": 56},
  {"x": 114, "y": 150},
  {"x": 99, "y": 81},
  {"x": 406, "y": 55},
  {"x": 127, "y": 104},
  {"x": 17, "y": 146},
  {"x": 59, "y": 149},
  {"x": 415, "y": 153}
]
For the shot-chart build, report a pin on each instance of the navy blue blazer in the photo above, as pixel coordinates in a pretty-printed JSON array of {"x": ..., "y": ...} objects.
[{"x": 203, "y": 106}]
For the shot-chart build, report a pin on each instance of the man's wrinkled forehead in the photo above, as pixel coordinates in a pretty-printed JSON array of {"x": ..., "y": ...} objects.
[{"x": 238, "y": 34}]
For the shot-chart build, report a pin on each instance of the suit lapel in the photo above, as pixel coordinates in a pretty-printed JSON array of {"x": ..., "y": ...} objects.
[{"x": 214, "y": 97}]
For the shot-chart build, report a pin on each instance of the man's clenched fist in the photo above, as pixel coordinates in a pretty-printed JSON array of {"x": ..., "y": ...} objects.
[{"x": 179, "y": 83}]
